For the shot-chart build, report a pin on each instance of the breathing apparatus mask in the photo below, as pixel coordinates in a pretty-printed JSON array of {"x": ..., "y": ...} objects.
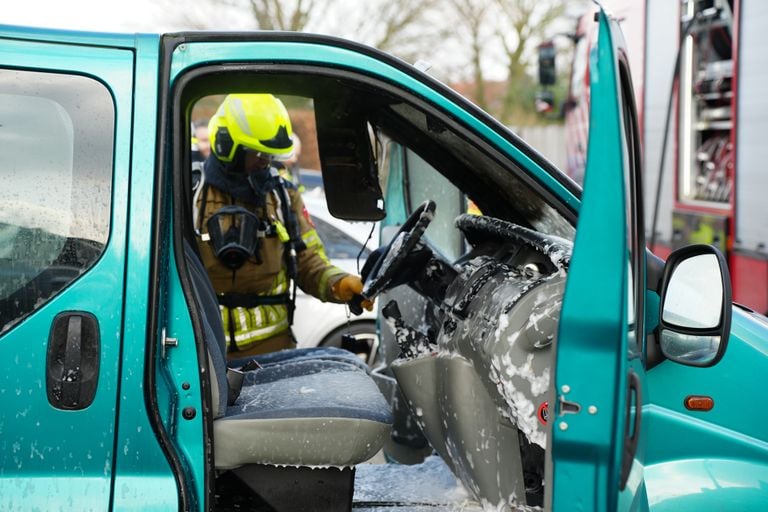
[{"x": 235, "y": 236}]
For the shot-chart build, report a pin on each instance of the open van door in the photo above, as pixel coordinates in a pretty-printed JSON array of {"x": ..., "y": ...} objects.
[
  {"x": 65, "y": 126},
  {"x": 598, "y": 444}
]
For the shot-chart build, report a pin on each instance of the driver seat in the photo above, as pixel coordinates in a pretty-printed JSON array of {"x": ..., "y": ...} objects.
[{"x": 294, "y": 412}]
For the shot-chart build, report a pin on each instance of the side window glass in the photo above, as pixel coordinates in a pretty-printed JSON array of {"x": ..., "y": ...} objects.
[
  {"x": 424, "y": 182},
  {"x": 56, "y": 149},
  {"x": 338, "y": 245}
]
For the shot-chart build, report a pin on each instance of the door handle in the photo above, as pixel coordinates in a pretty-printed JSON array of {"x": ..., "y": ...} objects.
[
  {"x": 631, "y": 438},
  {"x": 72, "y": 365}
]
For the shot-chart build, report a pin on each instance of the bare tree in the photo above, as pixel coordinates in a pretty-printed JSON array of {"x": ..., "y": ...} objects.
[
  {"x": 471, "y": 38},
  {"x": 522, "y": 24},
  {"x": 396, "y": 25},
  {"x": 472, "y": 21},
  {"x": 290, "y": 15},
  {"x": 282, "y": 15},
  {"x": 403, "y": 27}
]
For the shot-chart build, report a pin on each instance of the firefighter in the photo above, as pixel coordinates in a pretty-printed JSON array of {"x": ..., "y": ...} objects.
[{"x": 255, "y": 236}]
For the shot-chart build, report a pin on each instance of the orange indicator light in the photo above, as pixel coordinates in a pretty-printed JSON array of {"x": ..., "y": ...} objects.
[{"x": 699, "y": 403}]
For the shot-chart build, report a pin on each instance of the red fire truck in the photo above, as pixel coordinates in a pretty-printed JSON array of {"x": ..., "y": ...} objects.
[{"x": 700, "y": 69}]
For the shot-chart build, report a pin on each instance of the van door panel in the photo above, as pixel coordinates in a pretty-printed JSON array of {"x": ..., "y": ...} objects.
[
  {"x": 597, "y": 448},
  {"x": 65, "y": 128}
]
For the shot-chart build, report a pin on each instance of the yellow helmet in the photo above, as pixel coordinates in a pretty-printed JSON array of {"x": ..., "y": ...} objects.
[{"x": 256, "y": 122}]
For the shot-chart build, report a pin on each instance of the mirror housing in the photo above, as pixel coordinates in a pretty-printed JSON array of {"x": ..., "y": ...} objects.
[
  {"x": 350, "y": 175},
  {"x": 695, "y": 310}
]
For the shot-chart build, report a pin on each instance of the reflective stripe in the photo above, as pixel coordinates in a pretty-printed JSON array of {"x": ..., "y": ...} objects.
[
  {"x": 261, "y": 322},
  {"x": 323, "y": 286},
  {"x": 238, "y": 113},
  {"x": 312, "y": 241},
  {"x": 248, "y": 337},
  {"x": 282, "y": 232},
  {"x": 242, "y": 319},
  {"x": 281, "y": 283},
  {"x": 225, "y": 319},
  {"x": 255, "y": 324}
]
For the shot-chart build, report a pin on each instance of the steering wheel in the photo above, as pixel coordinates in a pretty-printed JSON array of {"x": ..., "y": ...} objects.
[
  {"x": 391, "y": 262},
  {"x": 479, "y": 228}
]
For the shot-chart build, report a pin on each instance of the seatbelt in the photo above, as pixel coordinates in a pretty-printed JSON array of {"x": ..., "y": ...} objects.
[
  {"x": 235, "y": 385},
  {"x": 293, "y": 245}
]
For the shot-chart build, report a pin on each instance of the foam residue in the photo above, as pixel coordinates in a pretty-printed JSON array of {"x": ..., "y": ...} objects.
[{"x": 429, "y": 484}]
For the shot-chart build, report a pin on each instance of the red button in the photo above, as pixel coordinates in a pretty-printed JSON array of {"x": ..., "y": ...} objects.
[{"x": 543, "y": 413}]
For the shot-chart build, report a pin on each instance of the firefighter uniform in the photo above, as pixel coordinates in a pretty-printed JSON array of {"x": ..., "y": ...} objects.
[
  {"x": 252, "y": 327},
  {"x": 254, "y": 234}
]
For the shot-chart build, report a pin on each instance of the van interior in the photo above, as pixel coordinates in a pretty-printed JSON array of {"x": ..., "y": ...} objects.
[{"x": 468, "y": 285}]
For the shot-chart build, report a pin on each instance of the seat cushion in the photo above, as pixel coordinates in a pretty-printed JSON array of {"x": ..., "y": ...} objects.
[
  {"x": 301, "y": 354},
  {"x": 334, "y": 417},
  {"x": 297, "y": 368}
]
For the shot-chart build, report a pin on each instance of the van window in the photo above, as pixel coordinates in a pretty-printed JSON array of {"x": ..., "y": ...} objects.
[
  {"x": 56, "y": 134},
  {"x": 425, "y": 183}
]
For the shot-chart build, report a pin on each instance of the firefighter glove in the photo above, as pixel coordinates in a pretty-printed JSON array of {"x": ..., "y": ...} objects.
[{"x": 347, "y": 287}]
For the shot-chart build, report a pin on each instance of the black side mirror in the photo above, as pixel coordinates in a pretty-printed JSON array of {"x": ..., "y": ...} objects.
[
  {"x": 695, "y": 312},
  {"x": 350, "y": 175},
  {"x": 547, "y": 71}
]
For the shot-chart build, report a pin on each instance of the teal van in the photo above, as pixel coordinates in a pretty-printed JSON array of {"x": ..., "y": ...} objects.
[{"x": 542, "y": 352}]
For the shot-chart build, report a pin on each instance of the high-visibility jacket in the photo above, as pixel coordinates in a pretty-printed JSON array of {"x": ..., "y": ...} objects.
[{"x": 246, "y": 323}]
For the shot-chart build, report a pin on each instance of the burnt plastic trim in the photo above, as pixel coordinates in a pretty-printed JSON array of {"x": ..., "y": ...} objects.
[
  {"x": 300, "y": 37},
  {"x": 155, "y": 302}
]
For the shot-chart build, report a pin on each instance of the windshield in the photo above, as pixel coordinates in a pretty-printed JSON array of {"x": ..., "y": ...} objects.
[{"x": 491, "y": 186}]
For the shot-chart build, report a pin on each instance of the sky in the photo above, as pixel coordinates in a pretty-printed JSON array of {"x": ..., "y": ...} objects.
[
  {"x": 127, "y": 16},
  {"x": 96, "y": 15},
  {"x": 159, "y": 16},
  {"x": 154, "y": 16}
]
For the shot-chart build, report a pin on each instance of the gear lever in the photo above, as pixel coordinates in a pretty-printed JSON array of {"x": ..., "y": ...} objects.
[{"x": 410, "y": 341}]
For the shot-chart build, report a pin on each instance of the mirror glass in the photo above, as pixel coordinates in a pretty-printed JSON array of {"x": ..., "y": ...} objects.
[
  {"x": 689, "y": 349},
  {"x": 694, "y": 297}
]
